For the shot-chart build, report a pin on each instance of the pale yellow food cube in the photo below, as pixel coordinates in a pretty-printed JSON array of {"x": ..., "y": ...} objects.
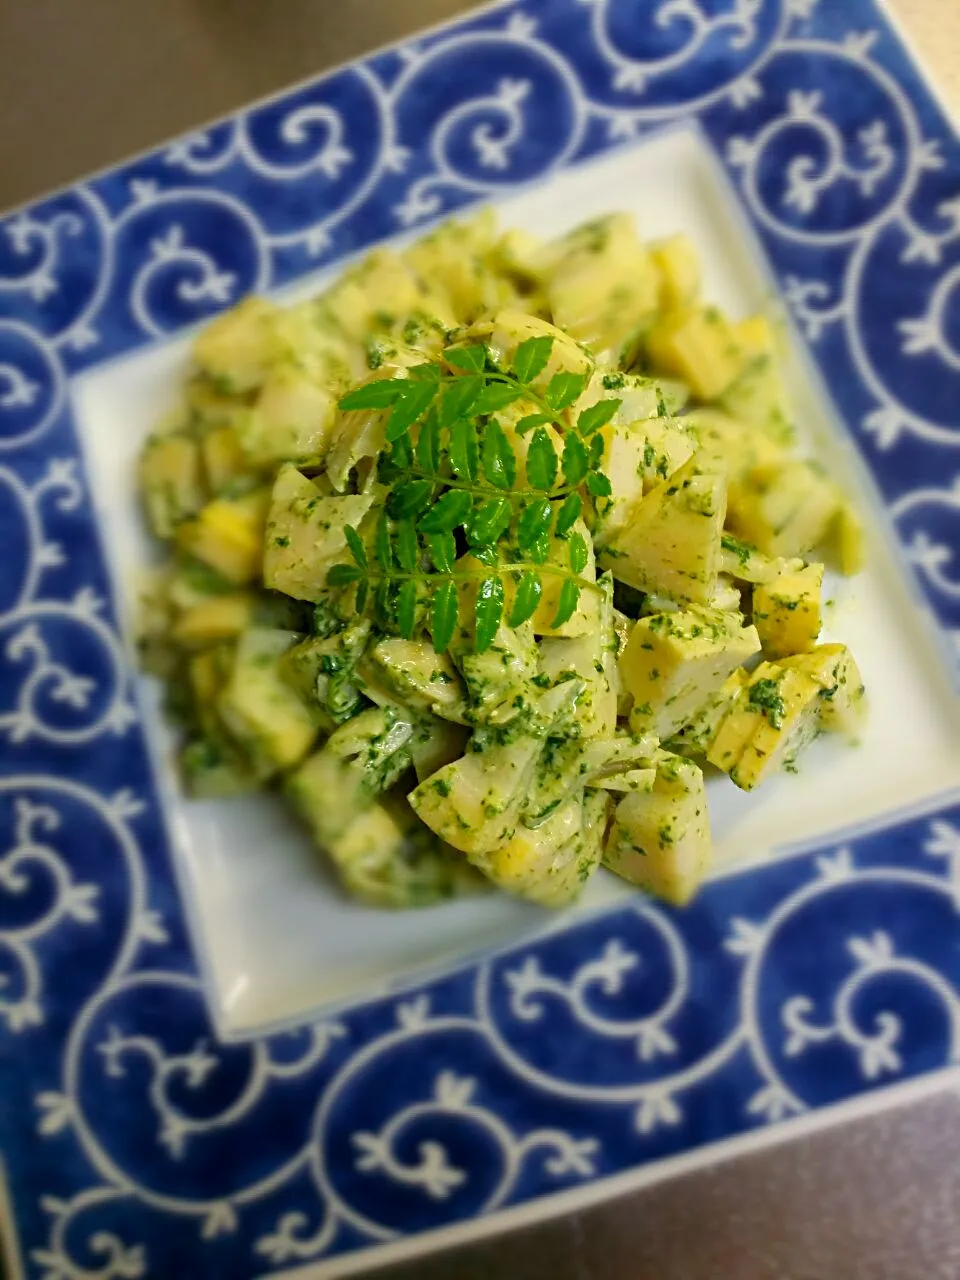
[
  {"x": 223, "y": 458},
  {"x": 209, "y": 403},
  {"x": 436, "y": 743},
  {"x": 678, "y": 263},
  {"x": 170, "y": 481},
  {"x": 699, "y": 346},
  {"x": 668, "y": 444},
  {"x": 305, "y": 535},
  {"x": 733, "y": 445},
  {"x": 214, "y": 619},
  {"x": 744, "y": 562},
  {"x": 660, "y": 840},
  {"x": 786, "y": 611},
  {"x": 261, "y": 708},
  {"x": 670, "y": 540},
  {"x": 737, "y": 724},
  {"x": 523, "y": 859},
  {"x": 420, "y": 677},
  {"x": 758, "y": 398},
  {"x": 779, "y": 739},
  {"x": 236, "y": 348},
  {"x": 783, "y": 508},
  {"x": 591, "y": 658},
  {"x": 771, "y": 720},
  {"x": 674, "y": 662},
  {"x": 382, "y": 282},
  {"x": 755, "y": 336},
  {"x": 474, "y": 803},
  {"x": 452, "y": 263},
  {"x": 699, "y": 732},
  {"x": 292, "y": 418},
  {"x": 833, "y": 669},
  {"x": 603, "y": 286},
  {"x": 227, "y": 535}
]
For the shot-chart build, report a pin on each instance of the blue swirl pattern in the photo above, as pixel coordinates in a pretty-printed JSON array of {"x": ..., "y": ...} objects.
[{"x": 138, "y": 1142}]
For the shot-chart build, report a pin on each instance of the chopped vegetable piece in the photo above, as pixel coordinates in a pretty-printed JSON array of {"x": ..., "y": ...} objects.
[
  {"x": 671, "y": 539},
  {"x": 786, "y": 611},
  {"x": 170, "y": 480},
  {"x": 674, "y": 662},
  {"x": 260, "y": 707},
  {"x": 227, "y": 535},
  {"x": 306, "y": 533},
  {"x": 842, "y": 697},
  {"x": 660, "y": 839},
  {"x": 772, "y": 719}
]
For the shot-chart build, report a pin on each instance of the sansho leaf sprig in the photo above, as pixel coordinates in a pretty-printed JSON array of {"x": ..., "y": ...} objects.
[{"x": 452, "y": 476}]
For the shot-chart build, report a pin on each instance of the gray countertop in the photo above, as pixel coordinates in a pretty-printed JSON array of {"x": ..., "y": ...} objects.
[{"x": 83, "y": 84}]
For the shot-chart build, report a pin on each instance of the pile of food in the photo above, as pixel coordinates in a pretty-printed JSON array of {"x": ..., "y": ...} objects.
[{"x": 485, "y": 555}]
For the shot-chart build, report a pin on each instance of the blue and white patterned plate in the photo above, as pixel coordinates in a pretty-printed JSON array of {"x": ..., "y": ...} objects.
[{"x": 156, "y": 1119}]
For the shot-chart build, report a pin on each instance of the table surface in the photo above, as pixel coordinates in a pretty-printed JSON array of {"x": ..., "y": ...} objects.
[{"x": 878, "y": 1198}]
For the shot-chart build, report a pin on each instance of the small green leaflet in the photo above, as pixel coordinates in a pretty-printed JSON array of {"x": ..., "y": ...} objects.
[
  {"x": 488, "y": 610},
  {"x": 539, "y": 550},
  {"x": 598, "y": 485},
  {"x": 568, "y": 515},
  {"x": 579, "y": 555},
  {"x": 486, "y": 555},
  {"x": 541, "y": 461},
  {"x": 596, "y": 450},
  {"x": 379, "y": 394},
  {"x": 410, "y": 499},
  {"x": 472, "y": 359},
  {"x": 414, "y": 400},
  {"x": 444, "y": 612},
  {"x": 407, "y": 549},
  {"x": 425, "y": 372},
  {"x": 341, "y": 575},
  {"x": 459, "y": 397},
  {"x": 407, "y": 609},
  {"x": 575, "y": 462},
  {"x": 534, "y": 523},
  {"x": 428, "y": 444},
  {"x": 597, "y": 416},
  {"x": 496, "y": 395},
  {"x": 464, "y": 449},
  {"x": 490, "y": 521},
  {"x": 567, "y": 602},
  {"x": 360, "y": 599},
  {"x": 451, "y": 509},
  {"x": 499, "y": 463},
  {"x": 527, "y": 598},
  {"x": 443, "y": 551},
  {"x": 530, "y": 421},
  {"x": 531, "y": 358},
  {"x": 563, "y": 389},
  {"x": 355, "y": 543},
  {"x": 383, "y": 543},
  {"x": 401, "y": 452}
]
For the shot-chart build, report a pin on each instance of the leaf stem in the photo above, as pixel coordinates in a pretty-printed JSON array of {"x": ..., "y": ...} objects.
[
  {"x": 484, "y": 490},
  {"x": 511, "y": 380},
  {"x": 467, "y": 575}
]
